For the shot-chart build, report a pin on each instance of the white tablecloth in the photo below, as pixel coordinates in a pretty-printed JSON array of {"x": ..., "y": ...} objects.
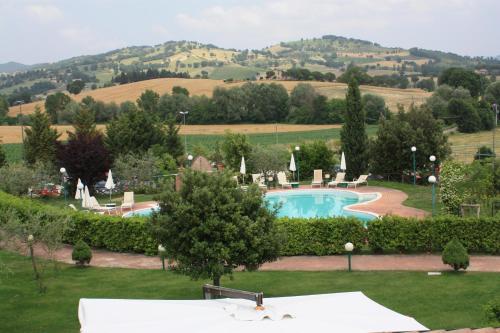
[{"x": 351, "y": 312}]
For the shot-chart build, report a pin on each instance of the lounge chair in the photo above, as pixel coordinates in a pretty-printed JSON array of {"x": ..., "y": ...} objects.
[
  {"x": 318, "y": 178},
  {"x": 283, "y": 181},
  {"x": 128, "y": 200},
  {"x": 73, "y": 207},
  {"x": 258, "y": 179},
  {"x": 97, "y": 207},
  {"x": 338, "y": 179},
  {"x": 363, "y": 179}
]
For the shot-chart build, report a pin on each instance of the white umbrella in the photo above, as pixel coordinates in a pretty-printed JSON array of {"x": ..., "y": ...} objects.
[
  {"x": 78, "y": 194},
  {"x": 243, "y": 168},
  {"x": 292, "y": 167},
  {"x": 342, "y": 162},
  {"x": 292, "y": 164},
  {"x": 86, "y": 202},
  {"x": 110, "y": 184}
]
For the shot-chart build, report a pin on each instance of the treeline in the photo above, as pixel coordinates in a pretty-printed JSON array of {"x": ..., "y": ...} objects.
[
  {"x": 362, "y": 77},
  {"x": 151, "y": 73},
  {"x": 303, "y": 74},
  {"x": 249, "y": 103}
]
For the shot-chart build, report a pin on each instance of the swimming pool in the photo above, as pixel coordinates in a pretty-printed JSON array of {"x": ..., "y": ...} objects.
[
  {"x": 320, "y": 203},
  {"x": 145, "y": 212}
]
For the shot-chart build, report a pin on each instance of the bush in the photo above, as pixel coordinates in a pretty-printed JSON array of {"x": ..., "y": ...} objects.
[
  {"x": 81, "y": 253},
  {"x": 455, "y": 255},
  {"x": 492, "y": 311},
  {"x": 321, "y": 236}
]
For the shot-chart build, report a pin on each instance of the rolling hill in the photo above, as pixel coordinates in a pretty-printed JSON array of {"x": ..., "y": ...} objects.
[{"x": 325, "y": 54}]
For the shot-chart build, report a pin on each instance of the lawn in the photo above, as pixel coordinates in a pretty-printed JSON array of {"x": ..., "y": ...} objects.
[
  {"x": 418, "y": 196},
  {"x": 447, "y": 301},
  {"x": 63, "y": 203}
]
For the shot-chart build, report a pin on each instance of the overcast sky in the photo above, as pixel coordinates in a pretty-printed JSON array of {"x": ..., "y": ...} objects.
[{"x": 46, "y": 31}]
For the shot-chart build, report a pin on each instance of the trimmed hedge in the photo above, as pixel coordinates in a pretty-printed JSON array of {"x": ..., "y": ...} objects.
[
  {"x": 101, "y": 231},
  {"x": 322, "y": 236},
  {"x": 398, "y": 234}
]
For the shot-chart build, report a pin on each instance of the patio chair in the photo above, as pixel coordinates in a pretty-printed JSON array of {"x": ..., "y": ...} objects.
[
  {"x": 97, "y": 207},
  {"x": 338, "y": 179},
  {"x": 363, "y": 179},
  {"x": 318, "y": 178},
  {"x": 128, "y": 200},
  {"x": 283, "y": 181},
  {"x": 258, "y": 179}
]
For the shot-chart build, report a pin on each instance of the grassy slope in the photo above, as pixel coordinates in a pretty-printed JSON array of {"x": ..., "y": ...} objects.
[
  {"x": 418, "y": 196},
  {"x": 447, "y": 301}
]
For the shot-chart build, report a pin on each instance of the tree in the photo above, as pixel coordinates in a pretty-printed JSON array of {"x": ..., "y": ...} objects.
[
  {"x": 460, "y": 77},
  {"x": 467, "y": 117},
  {"x": 267, "y": 160},
  {"x": 75, "y": 87},
  {"x": 84, "y": 155},
  {"x": 173, "y": 143},
  {"x": 234, "y": 146},
  {"x": 315, "y": 155},
  {"x": 81, "y": 254},
  {"x": 180, "y": 90},
  {"x": 355, "y": 73},
  {"x": 426, "y": 84},
  {"x": 133, "y": 131},
  {"x": 3, "y": 158},
  {"x": 353, "y": 134},
  {"x": 138, "y": 171},
  {"x": 66, "y": 116},
  {"x": 211, "y": 227},
  {"x": 4, "y": 107},
  {"x": 492, "y": 94},
  {"x": 40, "y": 143},
  {"x": 455, "y": 255},
  {"x": 374, "y": 108},
  {"x": 54, "y": 104},
  {"x": 148, "y": 101}
]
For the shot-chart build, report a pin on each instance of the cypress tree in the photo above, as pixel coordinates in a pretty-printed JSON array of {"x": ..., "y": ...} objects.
[
  {"x": 172, "y": 140},
  {"x": 40, "y": 143},
  {"x": 353, "y": 135}
]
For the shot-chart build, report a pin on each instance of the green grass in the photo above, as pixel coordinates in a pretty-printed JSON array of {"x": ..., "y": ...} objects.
[
  {"x": 234, "y": 72},
  {"x": 63, "y": 203},
  {"x": 14, "y": 150},
  {"x": 418, "y": 196},
  {"x": 447, "y": 301},
  {"x": 284, "y": 138}
]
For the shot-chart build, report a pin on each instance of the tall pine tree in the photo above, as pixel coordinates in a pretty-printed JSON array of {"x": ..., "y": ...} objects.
[
  {"x": 353, "y": 135},
  {"x": 40, "y": 143},
  {"x": 173, "y": 142}
]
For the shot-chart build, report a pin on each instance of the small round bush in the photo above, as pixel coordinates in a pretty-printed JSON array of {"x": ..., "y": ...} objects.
[
  {"x": 81, "y": 253},
  {"x": 492, "y": 311},
  {"x": 455, "y": 255}
]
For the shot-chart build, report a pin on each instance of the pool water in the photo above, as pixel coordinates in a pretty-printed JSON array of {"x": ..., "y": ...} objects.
[
  {"x": 145, "y": 212},
  {"x": 319, "y": 203}
]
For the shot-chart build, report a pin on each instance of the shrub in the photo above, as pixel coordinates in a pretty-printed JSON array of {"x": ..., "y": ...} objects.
[
  {"x": 455, "y": 255},
  {"x": 492, "y": 311},
  {"x": 81, "y": 253},
  {"x": 320, "y": 236}
]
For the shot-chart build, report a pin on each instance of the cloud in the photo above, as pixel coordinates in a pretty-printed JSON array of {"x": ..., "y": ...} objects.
[{"x": 44, "y": 13}]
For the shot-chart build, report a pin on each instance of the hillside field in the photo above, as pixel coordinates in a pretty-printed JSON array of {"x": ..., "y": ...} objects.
[{"x": 131, "y": 91}]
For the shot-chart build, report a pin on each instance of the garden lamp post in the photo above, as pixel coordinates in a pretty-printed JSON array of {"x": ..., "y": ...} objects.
[
  {"x": 161, "y": 253},
  {"x": 413, "y": 150},
  {"x": 432, "y": 180},
  {"x": 432, "y": 158},
  {"x": 184, "y": 113},
  {"x": 190, "y": 159},
  {"x": 63, "y": 183},
  {"x": 297, "y": 149},
  {"x": 349, "y": 247}
]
